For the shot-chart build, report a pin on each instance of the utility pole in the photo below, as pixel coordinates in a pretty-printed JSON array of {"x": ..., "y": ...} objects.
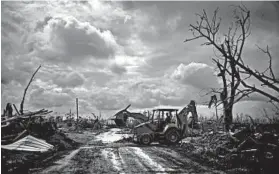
[{"x": 77, "y": 108}]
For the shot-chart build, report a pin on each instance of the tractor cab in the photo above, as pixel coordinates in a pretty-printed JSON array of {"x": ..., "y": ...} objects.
[{"x": 162, "y": 117}]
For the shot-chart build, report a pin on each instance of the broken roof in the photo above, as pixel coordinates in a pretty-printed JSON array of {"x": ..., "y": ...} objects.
[{"x": 29, "y": 143}]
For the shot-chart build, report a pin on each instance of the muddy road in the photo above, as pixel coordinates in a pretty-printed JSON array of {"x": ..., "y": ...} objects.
[{"x": 108, "y": 156}]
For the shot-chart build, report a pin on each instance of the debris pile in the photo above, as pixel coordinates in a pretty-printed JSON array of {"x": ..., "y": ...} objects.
[
  {"x": 125, "y": 139},
  {"x": 29, "y": 138},
  {"x": 121, "y": 118},
  {"x": 17, "y": 126},
  {"x": 250, "y": 149},
  {"x": 82, "y": 123},
  {"x": 90, "y": 124}
]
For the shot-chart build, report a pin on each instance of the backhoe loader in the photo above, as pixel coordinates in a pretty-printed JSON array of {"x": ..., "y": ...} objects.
[{"x": 166, "y": 126}]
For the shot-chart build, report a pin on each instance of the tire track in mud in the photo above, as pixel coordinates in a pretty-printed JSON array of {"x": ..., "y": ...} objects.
[
  {"x": 150, "y": 159},
  {"x": 133, "y": 163},
  {"x": 84, "y": 160},
  {"x": 103, "y": 155},
  {"x": 113, "y": 157},
  {"x": 152, "y": 162},
  {"x": 102, "y": 159},
  {"x": 174, "y": 161},
  {"x": 179, "y": 162},
  {"x": 167, "y": 160},
  {"x": 141, "y": 162},
  {"x": 130, "y": 160},
  {"x": 169, "y": 166},
  {"x": 62, "y": 163}
]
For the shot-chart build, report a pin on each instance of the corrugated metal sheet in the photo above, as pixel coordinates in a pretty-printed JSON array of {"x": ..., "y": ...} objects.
[{"x": 29, "y": 143}]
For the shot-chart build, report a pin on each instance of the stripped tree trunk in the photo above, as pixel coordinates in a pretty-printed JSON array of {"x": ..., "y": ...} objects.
[{"x": 23, "y": 98}]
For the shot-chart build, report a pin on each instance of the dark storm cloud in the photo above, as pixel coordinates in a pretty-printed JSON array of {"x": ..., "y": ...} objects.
[
  {"x": 99, "y": 78},
  {"x": 69, "y": 80},
  {"x": 118, "y": 69},
  {"x": 107, "y": 100},
  {"x": 41, "y": 24},
  {"x": 20, "y": 72},
  {"x": 140, "y": 41},
  {"x": 46, "y": 99}
]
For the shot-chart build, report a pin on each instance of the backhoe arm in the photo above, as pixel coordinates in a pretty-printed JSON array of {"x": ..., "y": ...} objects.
[{"x": 183, "y": 121}]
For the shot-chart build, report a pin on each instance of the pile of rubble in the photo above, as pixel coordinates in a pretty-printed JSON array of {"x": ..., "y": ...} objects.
[
  {"x": 17, "y": 126},
  {"x": 29, "y": 138},
  {"x": 249, "y": 149}
]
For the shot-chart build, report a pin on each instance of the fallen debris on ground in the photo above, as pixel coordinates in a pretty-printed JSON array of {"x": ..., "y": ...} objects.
[
  {"x": 30, "y": 144},
  {"x": 247, "y": 150},
  {"x": 30, "y": 137}
]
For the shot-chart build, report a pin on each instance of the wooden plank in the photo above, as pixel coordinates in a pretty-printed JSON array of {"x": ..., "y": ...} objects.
[
  {"x": 20, "y": 135},
  {"x": 16, "y": 109}
]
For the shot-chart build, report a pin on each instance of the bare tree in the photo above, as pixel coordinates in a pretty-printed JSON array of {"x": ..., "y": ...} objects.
[
  {"x": 229, "y": 61},
  {"x": 232, "y": 46},
  {"x": 25, "y": 90}
]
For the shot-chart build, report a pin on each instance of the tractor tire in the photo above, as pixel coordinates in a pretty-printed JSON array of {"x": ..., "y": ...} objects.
[
  {"x": 145, "y": 139},
  {"x": 172, "y": 136}
]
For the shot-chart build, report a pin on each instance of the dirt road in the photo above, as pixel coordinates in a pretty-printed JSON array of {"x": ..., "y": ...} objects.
[{"x": 113, "y": 157}]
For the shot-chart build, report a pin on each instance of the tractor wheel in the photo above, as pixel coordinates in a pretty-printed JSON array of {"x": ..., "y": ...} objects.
[
  {"x": 145, "y": 139},
  {"x": 172, "y": 136}
]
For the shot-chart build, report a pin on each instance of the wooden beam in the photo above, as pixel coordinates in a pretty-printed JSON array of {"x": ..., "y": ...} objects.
[
  {"x": 25, "y": 90},
  {"x": 77, "y": 107},
  {"x": 16, "y": 109}
]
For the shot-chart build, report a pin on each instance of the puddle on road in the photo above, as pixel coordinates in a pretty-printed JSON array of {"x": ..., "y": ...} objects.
[{"x": 111, "y": 136}]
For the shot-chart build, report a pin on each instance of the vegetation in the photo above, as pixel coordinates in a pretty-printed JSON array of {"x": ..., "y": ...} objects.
[{"x": 230, "y": 61}]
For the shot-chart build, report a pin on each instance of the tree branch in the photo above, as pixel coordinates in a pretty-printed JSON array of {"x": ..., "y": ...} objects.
[
  {"x": 25, "y": 90},
  {"x": 270, "y": 62}
]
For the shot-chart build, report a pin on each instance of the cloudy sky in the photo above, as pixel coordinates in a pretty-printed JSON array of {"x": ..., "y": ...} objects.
[{"x": 111, "y": 54}]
